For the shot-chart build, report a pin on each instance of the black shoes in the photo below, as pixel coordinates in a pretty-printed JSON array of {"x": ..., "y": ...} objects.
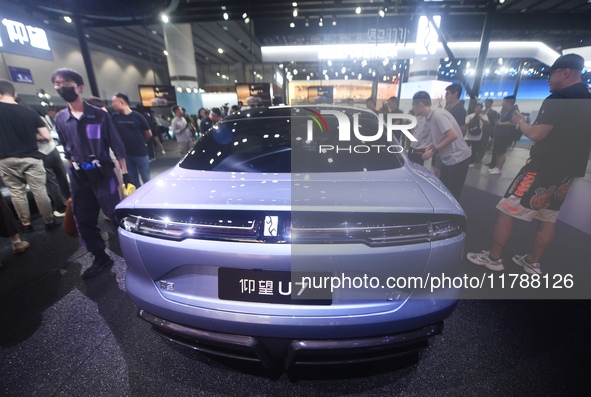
[
  {"x": 101, "y": 262},
  {"x": 27, "y": 228},
  {"x": 53, "y": 225}
]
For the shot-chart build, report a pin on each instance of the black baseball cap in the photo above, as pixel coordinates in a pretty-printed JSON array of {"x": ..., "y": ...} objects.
[
  {"x": 216, "y": 111},
  {"x": 568, "y": 61}
]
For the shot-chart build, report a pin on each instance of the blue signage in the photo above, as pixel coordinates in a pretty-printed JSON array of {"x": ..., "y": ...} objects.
[
  {"x": 21, "y": 75},
  {"x": 22, "y": 38}
]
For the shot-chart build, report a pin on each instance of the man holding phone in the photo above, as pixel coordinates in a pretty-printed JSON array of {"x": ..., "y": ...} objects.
[
  {"x": 503, "y": 134},
  {"x": 560, "y": 153}
]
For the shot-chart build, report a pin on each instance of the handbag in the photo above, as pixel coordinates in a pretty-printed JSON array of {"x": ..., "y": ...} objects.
[
  {"x": 474, "y": 127},
  {"x": 69, "y": 223}
]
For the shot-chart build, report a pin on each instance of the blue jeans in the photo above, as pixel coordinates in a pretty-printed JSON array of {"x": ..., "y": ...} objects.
[{"x": 138, "y": 166}]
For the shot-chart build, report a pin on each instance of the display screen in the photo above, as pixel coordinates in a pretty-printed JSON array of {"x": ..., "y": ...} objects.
[
  {"x": 323, "y": 94},
  {"x": 258, "y": 94},
  {"x": 157, "y": 95}
]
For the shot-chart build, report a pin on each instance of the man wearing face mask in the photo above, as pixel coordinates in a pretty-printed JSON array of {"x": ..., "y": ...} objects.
[{"x": 87, "y": 134}]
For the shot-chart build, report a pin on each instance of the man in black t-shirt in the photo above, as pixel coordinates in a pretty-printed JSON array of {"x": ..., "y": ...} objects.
[
  {"x": 135, "y": 133},
  {"x": 20, "y": 161},
  {"x": 560, "y": 153}
]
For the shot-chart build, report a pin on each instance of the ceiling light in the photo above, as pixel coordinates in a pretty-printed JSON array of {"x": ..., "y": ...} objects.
[
  {"x": 246, "y": 20},
  {"x": 67, "y": 19},
  {"x": 165, "y": 52},
  {"x": 294, "y": 4},
  {"x": 334, "y": 22},
  {"x": 226, "y": 16},
  {"x": 307, "y": 23},
  {"x": 244, "y": 16},
  {"x": 358, "y": 10},
  {"x": 165, "y": 18},
  {"x": 295, "y": 13},
  {"x": 382, "y": 13},
  {"x": 179, "y": 89},
  {"x": 221, "y": 50},
  {"x": 292, "y": 25},
  {"x": 188, "y": 90},
  {"x": 320, "y": 22}
]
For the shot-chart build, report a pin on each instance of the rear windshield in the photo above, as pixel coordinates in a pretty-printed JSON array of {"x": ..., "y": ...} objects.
[{"x": 287, "y": 144}]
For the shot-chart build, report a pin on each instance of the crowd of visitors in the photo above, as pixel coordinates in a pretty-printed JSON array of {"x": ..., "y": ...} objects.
[{"x": 105, "y": 151}]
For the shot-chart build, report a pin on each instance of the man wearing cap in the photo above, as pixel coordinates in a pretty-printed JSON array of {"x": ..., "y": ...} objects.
[
  {"x": 215, "y": 115},
  {"x": 212, "y": 116},
  {"x": 560, "y": 153}
]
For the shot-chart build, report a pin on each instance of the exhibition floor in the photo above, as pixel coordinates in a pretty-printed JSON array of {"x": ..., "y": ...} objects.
[{"x": 64, "y": 336}]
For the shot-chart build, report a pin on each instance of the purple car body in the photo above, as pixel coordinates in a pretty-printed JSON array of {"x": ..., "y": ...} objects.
[{"x": 219, "y": 247}]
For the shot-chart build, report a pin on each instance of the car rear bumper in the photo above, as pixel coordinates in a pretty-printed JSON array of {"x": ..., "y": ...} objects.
[{"x": 271, "y": 352}]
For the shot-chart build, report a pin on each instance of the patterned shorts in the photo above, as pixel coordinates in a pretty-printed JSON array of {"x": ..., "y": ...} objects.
[{"x": 535, "y": 195}]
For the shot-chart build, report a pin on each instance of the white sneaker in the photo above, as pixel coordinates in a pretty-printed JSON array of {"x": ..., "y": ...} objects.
[
  {"x": 495, "y": 171},
  {"x": 483, "y": 259},
  {"x": 531, "y": 268},
  {"x": 163, "y": 152},
  {"x": 58, "y": 214}
]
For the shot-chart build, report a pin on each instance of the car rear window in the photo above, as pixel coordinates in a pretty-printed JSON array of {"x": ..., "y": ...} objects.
[{"x": 282, "y": 145}]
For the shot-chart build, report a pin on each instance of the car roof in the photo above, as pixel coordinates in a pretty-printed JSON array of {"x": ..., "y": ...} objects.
[{"x": 286, "y": 111}]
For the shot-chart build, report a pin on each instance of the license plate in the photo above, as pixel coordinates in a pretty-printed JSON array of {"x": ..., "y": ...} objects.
[{"x": 269, "y": 286}]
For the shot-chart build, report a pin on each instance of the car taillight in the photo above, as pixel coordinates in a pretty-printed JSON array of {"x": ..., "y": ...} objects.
[
  {"x": 374, "y": 230},
  {"x": 377, "y": 235},
  {"x": 177, "y": 229}
]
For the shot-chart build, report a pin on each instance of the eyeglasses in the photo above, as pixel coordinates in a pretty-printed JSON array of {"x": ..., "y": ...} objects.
[
  {"x": 59, "y": 85},
  {"x": 552, "y": 72}
]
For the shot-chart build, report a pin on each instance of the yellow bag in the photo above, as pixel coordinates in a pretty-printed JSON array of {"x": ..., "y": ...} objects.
[{"x": 128, "y": 189}]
